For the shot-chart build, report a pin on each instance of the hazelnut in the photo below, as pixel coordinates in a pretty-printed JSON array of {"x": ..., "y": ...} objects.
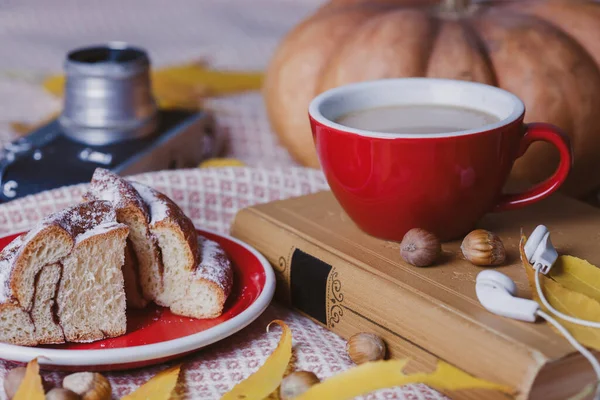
[
  {"x": 89, "y": 385},
  {"x": 483, "y": 248},
  {"x": 420, "y": 248},
  {"x": 13, "y": 380},
  {"x": 296, "y": 383},
  {"x": 365, "y": 347},
  {"x": 62, "y": 394}
]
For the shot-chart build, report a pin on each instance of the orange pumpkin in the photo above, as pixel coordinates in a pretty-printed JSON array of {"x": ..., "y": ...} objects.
[{"x": 545, "y": 51}]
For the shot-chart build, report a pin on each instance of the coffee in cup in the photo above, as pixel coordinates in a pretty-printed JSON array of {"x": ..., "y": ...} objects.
[{"x": 417, "y": 118}]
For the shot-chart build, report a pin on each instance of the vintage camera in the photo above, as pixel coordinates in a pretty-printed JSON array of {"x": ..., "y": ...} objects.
[{"x": 110, "y": 119}]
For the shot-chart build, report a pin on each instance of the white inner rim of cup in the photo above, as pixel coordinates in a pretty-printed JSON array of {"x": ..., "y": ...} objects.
[{"x": 335, "y": 103}]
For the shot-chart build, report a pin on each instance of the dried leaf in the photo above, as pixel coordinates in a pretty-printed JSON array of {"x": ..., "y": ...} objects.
[
  {"x": 160, "y": 387},
  {"x": 577, "y": 275},
  {"x": 55, "y": 85},
  {"x": 210, "y": 82},
  {"x": 221, "y": 162},
  {"x": 23, "y": 128},
  {"x": 185, "y": 86},
  {"x": 371, "y": 376},
  {"x": 266, "y": 380},
  {"x": 568, "y": 299},
  {"x": 31, "y": 388},
  {"x": 447, "y": 377}
]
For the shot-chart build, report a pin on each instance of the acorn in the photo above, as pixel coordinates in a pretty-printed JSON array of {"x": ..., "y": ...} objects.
[
  {"x": 483, "y": 248},
  {"x": 420, "y": 247},
  {"x": 88, "y": 385},
  {"x": 365, "y": 347},
  {"x": 297, "y": 383},
  {"x": 62, "y": 394}
]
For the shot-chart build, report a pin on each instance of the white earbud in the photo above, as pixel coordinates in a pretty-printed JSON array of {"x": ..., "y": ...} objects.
[
  {"x": 539, "y": 250},
  {"x": 496, "y": 291}
]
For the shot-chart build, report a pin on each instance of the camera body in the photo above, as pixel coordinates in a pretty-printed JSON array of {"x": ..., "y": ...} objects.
[{"x": 109, "y": 120}]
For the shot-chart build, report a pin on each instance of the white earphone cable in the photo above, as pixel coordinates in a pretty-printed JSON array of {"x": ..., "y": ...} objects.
[
  {"x": 589, "y": 356},
  {"x": 584, "y": 352},
  {"x": 554, "y": 311}
]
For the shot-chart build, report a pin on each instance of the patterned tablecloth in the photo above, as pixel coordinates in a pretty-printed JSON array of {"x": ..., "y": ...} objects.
[
  {"x": 236, "y": 34},
  {"x": 211, "y": 197}
]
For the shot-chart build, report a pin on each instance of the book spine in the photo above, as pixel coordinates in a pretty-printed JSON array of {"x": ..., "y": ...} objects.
[
  {"x": 347, "y": 299},
  {"x": 318, "y": 291}
]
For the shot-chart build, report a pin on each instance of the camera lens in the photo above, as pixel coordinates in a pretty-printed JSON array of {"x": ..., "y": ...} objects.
[
  {"x": 108, "y": 97},
  {"x": 103, "y": 54}
]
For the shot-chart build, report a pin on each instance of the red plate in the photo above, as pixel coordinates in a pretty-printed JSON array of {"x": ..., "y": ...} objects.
[{"x": 154, "y": 334}]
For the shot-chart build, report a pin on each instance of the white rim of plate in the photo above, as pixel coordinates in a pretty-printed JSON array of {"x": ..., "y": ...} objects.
[{"x": 149, "y": 352}]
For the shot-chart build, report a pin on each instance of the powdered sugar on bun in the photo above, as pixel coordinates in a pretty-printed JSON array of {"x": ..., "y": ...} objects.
[
  {"x": 7, "y": 258},
  {"x": 83, "y": 218},
  {"x": 203, "y": 292},
  {"x": 214, "y": 265},
  {"x": 157, "y": 205},
  {"x": 108, "y": 186},
  {"x": 98, "y": 230},
  {"x": 166, "y": 215}
]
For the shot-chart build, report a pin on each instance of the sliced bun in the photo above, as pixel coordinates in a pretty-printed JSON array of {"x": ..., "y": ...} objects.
[{"x": 63, "y": 281}]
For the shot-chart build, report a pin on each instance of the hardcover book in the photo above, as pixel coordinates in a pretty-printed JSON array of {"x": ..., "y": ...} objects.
[{"x": 350, "y": 282}]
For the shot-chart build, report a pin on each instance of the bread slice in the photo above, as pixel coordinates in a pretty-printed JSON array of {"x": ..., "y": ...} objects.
[
  {"x": 91, "y": 294},
  {"x": 177, "y": 241},
  {"x": 204, "y": 292},
  {"x": 23, "y": 259},
  {"x": 16, "y": 325},
  {"x": 62, "y": 280},
  {"x": 133, "y": 212},
  {"x": 197, "y": 275},
  {"x": 192, "y": 276},
  {"x": 44, "y": 313}
]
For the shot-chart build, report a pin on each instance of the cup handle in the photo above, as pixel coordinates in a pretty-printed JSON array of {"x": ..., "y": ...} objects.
[{"x": 547, "y": 133}]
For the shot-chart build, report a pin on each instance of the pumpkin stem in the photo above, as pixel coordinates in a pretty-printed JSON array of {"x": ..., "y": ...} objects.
[{"x": 456, "y": 5}]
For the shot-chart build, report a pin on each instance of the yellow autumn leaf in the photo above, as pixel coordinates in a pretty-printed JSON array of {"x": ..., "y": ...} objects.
[
  {"x": 55, "y": 84},
  {"x": 221, "y": 162},
  {"x": 447, "y": 377},
  {"x": 23, "y": 128},
  {"x": 159, "y": 387},
  {"x": 577, "y": 275},
  {"x": 212, "y": 82},
  {"x": 372, "y": 376},
  {"x": 568, "y": 299},
  {"x": 184, "y": 86},
  {"x": 266, "y": 380},
  {"x": 31, "y": 388}
]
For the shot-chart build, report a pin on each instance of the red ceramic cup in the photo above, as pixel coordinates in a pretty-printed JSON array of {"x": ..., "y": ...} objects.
[{"x": 444, "y": 183}]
